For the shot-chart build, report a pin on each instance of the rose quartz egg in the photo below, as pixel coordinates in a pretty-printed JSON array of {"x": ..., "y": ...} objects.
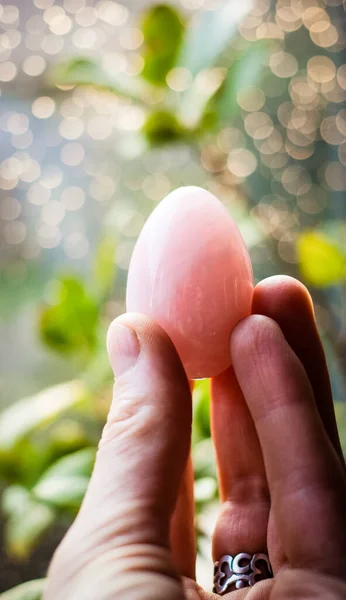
[{"x": 191, "y": 272}]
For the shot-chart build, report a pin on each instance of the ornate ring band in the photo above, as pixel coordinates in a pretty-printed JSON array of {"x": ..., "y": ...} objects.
[{"x": 232, "y": 573}]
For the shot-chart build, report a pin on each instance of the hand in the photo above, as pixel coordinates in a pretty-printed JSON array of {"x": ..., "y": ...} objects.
[{"x": 281, "y": 472}]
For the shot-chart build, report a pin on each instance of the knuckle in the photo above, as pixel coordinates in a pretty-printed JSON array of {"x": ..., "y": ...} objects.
[
  {"x": 250, "y": 488},
  {"x": 132, "y": 414}
]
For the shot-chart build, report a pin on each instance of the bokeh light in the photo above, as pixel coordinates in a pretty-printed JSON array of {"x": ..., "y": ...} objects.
[{"x": 91, "y": 142}]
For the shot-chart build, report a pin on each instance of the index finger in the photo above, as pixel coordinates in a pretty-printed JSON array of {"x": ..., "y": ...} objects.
[{"x": 305, "y": 476}]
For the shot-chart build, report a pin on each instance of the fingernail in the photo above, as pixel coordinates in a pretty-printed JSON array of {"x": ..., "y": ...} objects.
[{"x": 123, "y": 348}]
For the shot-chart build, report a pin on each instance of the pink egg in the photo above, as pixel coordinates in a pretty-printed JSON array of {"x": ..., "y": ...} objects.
[{"x": 191, "y": 272}]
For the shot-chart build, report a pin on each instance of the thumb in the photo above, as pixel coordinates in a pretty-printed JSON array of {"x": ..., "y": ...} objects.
[{"x": 123, "y": 524}]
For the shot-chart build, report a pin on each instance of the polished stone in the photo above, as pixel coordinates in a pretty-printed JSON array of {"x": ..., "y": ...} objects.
[{"x": 191, "y": 272}]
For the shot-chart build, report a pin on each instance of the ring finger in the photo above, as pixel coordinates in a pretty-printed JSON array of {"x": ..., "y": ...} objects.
[{"x": 242, "y": 524}]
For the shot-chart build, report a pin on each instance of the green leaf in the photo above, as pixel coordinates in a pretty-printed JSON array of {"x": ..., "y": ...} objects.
[
  {"x": 32, "y": 413},
  {"x": 244, "y": 74},
  {"x": 197, "y": 97},
  {"x": 69, "y": 325},
  {"x": 321, "y": 262},
  {"x": 14, "y": 499},
  {"x": 210, "y": 35},
  {"x": 162, "y": 127},
  {"x": 212, "y": 96},
  {"x": 27, "y": 520},
  {"x": 204, "y": 459},
  {"x": 30, "y": 590},
  {"x": 31, "y": 430},
  {"x": 64, "y": 484},
  {"x": 77, "y": 464},
  {"x": 104, "y": 270},
  {"x": 83, "y": 71},
  {"x": 68, "y": 435},
  {"x": 201, "y": 409},
  {"x": 162, "y": 29},
  {"x": 62, "y": 492}
]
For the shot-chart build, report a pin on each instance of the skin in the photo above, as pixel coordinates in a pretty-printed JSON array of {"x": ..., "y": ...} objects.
[{"x": 282, "y": 477}]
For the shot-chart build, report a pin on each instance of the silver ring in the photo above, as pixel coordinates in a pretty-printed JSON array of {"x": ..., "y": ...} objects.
[{"x": 242, "y": 570}]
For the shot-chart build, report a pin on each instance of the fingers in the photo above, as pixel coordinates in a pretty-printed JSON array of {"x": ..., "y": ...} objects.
[
  {"x": 288, "y": 302},
  {"x": 242, "y": 524},
  {"x": 305, "y": 477},
  {"x": 139, "y": 467},
  {"x": 306, "y": 585},
  {"x": 183, "y": 538},
  {"x": 145, "y": 444},
  {"x": 182, "y": 534}
]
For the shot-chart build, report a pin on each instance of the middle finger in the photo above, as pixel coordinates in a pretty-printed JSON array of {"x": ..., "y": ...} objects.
[{"x": 242, "y": 524}]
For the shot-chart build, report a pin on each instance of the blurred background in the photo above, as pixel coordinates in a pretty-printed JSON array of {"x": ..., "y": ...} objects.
[{"x": 105, "y": 108}]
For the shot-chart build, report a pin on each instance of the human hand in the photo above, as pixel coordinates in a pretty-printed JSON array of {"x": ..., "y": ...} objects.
[{"x": 281, "y": 472}]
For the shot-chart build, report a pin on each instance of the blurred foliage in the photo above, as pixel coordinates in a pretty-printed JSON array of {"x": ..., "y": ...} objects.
[
  {"x": 89, "y": 71},
  {"x": 27, "y": 520},
  {"x": 71, "y": 322},
  {"x": 207, "y": 38},
  {"x": 69, "y": 325},
  {"x": 47, "y": 450},
  {"x": 104, "y": 269},
  {"x": 25, "y": 417},
  {"x": 244, "y": 73},
  {"x": 161, "y": 127},
  {"x": 48, "y": 441},
  {"x": 37, "y": 431},
  {"x": 31, "y": 590},
  {"x": 321, "y": 262},
  {"x": 201, "y": 411},
  {"x": 46, "y": 480},
  {"x": 64, "y": 483},
  {"x": 169, "y": 45},
  {"x": 162, "y": 30}
]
